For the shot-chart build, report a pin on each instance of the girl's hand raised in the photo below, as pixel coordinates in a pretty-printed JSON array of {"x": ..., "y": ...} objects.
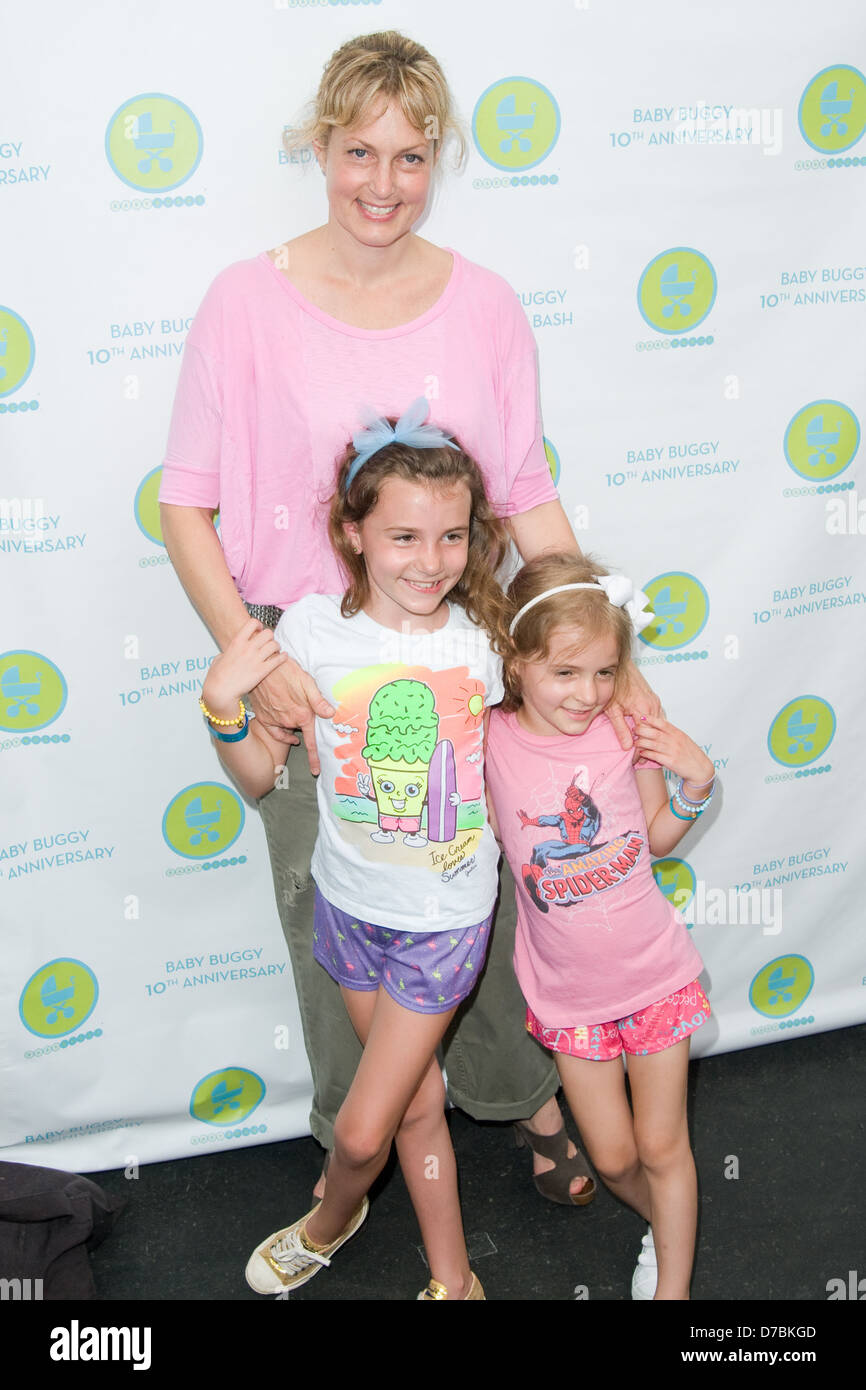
[
  {"x": 655, "y": 738},
  {"x": 249, "y": 658}
]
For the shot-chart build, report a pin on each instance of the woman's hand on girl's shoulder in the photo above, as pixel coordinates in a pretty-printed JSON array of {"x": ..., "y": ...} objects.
[
  {"x": 250, "y": 657},
  {"x": 663, "y": 743}
]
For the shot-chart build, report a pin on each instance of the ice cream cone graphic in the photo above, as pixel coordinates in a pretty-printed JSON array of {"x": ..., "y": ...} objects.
[{"x": 401, "y": 736}]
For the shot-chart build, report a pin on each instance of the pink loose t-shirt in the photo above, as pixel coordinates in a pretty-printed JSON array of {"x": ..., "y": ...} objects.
[
  {"x": 272, "y": 388},
  {"x": 596, "y": 938}
]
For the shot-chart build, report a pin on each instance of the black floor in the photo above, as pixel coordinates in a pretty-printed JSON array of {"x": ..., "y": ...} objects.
[{"x": 790, "y": 1118}]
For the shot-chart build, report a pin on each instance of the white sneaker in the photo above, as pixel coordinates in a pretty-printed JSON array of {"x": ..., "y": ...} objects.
[
  {"x": 646, "y": 1274},
  {"x": 283, "y": 1262}
]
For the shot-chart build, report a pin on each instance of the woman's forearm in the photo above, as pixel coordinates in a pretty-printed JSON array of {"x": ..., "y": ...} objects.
[
  {"x": 195, "y": 551},
  {"x": 543, "y": 529}
]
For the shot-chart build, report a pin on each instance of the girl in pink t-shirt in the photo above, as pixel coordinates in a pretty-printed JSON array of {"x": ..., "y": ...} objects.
[{"x": 604, "y": 961}]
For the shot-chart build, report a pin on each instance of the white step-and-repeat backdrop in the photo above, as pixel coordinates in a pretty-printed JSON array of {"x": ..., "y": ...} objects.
[{"x": 677, "y": 194}]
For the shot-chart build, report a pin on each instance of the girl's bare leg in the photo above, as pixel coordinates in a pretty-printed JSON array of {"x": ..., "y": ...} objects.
[
  {"x": 658, "y": 1089},
  {"x": 597, "y": 1098},
  {"x": 397, "y": 1090}
]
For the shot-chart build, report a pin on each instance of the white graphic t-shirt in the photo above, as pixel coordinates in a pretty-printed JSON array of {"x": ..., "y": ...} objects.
[{"x": 403, "y": 836}]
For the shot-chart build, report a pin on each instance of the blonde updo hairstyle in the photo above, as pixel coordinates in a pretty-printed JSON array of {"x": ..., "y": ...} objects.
[
  {"x": 590, "y": 610},
  {"x": 364, "y": 76}
]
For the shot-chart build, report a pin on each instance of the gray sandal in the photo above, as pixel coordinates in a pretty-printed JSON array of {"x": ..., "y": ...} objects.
[{"x": 554, "y": 1184}]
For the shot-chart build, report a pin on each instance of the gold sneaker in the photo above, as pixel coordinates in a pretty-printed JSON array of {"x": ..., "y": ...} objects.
[
  {"x": 436, "y": 1292},
  {"x": 285, "y": 1260}
]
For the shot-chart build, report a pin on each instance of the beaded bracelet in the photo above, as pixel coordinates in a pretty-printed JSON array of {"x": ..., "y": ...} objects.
[
  {"x": 693, "y": 809},
  {"x": 227, "y": 723}
]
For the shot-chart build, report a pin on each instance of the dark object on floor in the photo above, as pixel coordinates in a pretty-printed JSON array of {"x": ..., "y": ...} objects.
[{"x": 49, "y": 1220}]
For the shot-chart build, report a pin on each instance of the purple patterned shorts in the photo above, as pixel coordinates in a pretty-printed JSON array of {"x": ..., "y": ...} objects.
[{"x": 428, "y": 973}]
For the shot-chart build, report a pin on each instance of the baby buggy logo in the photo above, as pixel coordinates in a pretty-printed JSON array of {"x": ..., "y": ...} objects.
[
  {"x": 515, "y": 124},
  {"x": 58, "y": 998},
  {"x": 203, "y": 820},
  {"x": 32, "y": 691},
  {"x": 781, "y": 986},
  {"x": 552, "y": 457},
  {"x": 226, "y": 1097},
  {"x": 147, "y": 506},
  {"x": 832, "y": 112},
  {"x": 676, "y": 292},
  {"x": 17, "y": 352},
  {"x": 681, "y": 606},
  {"x": 677, "y": 881},
  {"x": 802, "y": 731},
  {"x": 153, "y": 142},
  {"x": 822, "y": 440}
]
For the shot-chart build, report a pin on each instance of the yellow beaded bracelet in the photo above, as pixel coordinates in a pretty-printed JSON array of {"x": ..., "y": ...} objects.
[{"x": 223, "y": 723}]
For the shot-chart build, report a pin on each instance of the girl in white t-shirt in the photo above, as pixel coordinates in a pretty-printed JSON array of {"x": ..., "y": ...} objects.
[
  {"x": 604, "y": 960},
  {"x": 405, "y": 863}
]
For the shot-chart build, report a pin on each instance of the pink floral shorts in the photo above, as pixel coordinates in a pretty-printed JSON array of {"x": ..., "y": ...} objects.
[{"x": 650, "y": 1029}]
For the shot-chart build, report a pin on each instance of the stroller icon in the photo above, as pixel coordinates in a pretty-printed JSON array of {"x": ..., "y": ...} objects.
[
  {"x": 512, "y": 125},
  {"x": 18, "y": 692},
  {"x": 820, "y": 439},
  {"x": 666, "y": 611},
  {"x": 201, "y": 821},
  {"x": 3, "y": 346},
  {"x": 221, "y": 1097},
  {"x": 800, "y": 733},
  {"x": 55, "y": 1000},
  {"x": 834, "y": 109},
  {"x": 779, "y": 989},
  {"x": 676, "y": 290},
  {"x": 153, "y": 144}
]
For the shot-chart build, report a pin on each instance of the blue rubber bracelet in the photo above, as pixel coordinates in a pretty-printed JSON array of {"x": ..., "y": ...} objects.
[{"x": 231, "y": 738}]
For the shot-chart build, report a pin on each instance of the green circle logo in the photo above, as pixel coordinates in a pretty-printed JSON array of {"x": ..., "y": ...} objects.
[
  {"x": 226, "y": 1097},
  {"x": 153, "y": 142},
  {"x": 552, "y": 459},
  {"x": 515, "y": 123},
  {"x": 677, "y": 881},
  {"x": 677, "y": 290},
  {"x": 822, "y": 439},
  {"x": 782, "y": 986},
  {"x": 17, "y": 351},
  {"x": 147, "y": 506},
  {"x": 58, "y": 998},
  {"x": 203, "y": 820},
  {"x": 832, "y": 112},
  {"x": 32, "y": 691},
  {"x": 802, "y": 731},
  {"x": 681, "y": 606}
]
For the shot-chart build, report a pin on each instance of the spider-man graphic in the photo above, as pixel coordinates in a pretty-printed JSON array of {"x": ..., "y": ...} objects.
[{"x": 578, "y": 824}]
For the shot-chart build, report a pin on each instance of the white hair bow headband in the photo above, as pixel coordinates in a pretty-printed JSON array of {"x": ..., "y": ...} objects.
[
  {"x": 620, "y": 591},
  {"x": 410, "y": 429}
]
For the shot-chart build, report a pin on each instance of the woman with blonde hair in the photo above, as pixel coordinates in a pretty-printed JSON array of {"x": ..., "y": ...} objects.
[{"x": 286, "y": 353}]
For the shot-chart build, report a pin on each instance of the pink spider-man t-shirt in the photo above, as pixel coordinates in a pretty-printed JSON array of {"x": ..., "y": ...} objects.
[{"x": 596, "y": 937}]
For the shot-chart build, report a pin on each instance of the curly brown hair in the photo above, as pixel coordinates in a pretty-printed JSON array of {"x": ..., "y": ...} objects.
[
  {"x": 477, "y": 591},
  {"x": 590, "y": 610}
]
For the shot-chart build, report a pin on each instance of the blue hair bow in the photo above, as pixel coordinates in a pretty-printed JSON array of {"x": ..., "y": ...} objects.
[{"x": 410, "y": 429}]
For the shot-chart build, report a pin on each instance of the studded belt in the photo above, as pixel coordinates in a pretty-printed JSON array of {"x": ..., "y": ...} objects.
[{"x": 267, "y": 613}]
